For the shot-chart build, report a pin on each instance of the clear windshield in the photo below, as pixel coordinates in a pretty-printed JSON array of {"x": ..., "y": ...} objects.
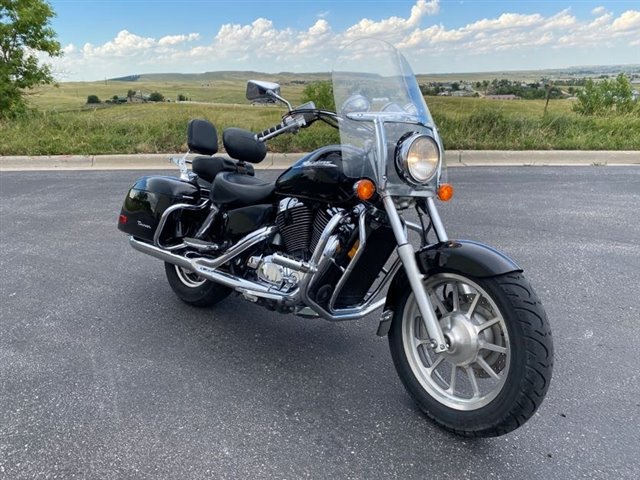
[{"x": 373, "y": 82}]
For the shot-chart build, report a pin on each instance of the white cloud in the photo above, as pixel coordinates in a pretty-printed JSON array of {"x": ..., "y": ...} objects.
[
  {"x": 598, "y": 11},
  {"x": 393, "y": 27},
  {"x": 629, "y": 20},
  {"x": 177, "y": 39},
  {"x": 260, "y": 45},
  {"x": 505, "y": 21}
]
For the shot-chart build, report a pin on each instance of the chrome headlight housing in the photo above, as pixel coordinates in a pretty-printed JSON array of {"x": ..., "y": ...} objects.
[{"x": 417, "y": 158}]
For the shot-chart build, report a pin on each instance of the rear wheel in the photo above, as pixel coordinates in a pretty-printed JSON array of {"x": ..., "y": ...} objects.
[
  {"x": 498, "y": 366},
  {"x": 193, "y": 289}
]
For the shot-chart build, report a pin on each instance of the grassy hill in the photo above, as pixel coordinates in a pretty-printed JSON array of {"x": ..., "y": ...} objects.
[{"x": 62, "y": 123}]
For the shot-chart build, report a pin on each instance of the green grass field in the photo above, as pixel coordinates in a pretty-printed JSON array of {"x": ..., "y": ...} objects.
[{"x": 62, "y": 124}]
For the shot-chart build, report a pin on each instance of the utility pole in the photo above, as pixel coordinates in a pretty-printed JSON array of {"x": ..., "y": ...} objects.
[{"x": 549, "y": 87}]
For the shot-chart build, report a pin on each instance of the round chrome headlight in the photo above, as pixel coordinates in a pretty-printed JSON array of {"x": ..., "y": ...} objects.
[{"x": 417, "y": 158}]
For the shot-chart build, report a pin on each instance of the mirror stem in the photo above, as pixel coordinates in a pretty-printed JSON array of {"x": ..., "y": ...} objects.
[{"x": 278, "y": 97}]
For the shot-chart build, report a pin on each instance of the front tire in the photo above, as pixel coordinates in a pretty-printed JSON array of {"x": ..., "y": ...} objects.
[
  {"x": 192, "y": 289},
  {"x": 498, "y": 368}
]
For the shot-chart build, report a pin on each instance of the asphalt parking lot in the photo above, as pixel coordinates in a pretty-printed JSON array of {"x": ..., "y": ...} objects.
[{"x": 104, "y": 374}]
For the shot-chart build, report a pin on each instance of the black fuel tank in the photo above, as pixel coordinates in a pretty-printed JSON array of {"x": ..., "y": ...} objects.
[{"x": 326, "y": 175}]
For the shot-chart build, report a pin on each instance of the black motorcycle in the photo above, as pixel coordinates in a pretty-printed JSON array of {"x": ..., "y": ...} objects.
[{"x": 468, "y": 335}]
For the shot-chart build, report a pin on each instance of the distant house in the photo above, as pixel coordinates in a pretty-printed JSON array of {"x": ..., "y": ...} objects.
[
  {"x": 635, "y": 95},
  {"x": 503, "y": 97},
  {"x": 139, "y": 97}
]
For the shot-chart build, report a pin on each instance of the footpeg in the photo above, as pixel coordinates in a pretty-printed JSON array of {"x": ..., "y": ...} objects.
[
  {"x": 385, "y": 323},
  {"x": 201, "y": 245}
]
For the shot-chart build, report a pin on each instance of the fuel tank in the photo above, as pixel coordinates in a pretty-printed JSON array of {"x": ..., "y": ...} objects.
[{"x": 326, "y": 175}]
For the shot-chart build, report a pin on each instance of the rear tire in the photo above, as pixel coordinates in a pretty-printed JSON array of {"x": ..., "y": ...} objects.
[
  {"x": 194, "y": 290},
  {"x": 498, "y": 370}
]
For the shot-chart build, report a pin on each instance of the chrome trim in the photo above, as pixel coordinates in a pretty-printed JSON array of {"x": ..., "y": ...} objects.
[
  {"x": 362, "y": 239},
  {"x": 245, "y": 243},
  {"x": 402, "y": 160},
  {"x": 206, "y": 225},
  {"x": 322, "y": 255},
  {"x": 165, "y": 216},
  {"x": 381, "y": 149},
  {"x": 292, "y": 264},
  {"x": 436, "y": 220},
  {"x": 408, "y": 257},
  {"x": 413, "y": 226},
  {"x": 369, "y": 304},
  {"x": 212, "y": 274}
]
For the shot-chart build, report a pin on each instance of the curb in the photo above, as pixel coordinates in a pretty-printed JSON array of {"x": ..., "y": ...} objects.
[{"x": 454, "y": 158}]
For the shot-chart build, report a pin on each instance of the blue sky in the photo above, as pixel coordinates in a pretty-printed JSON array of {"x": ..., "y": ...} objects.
[{"x": 116, "y": 37}]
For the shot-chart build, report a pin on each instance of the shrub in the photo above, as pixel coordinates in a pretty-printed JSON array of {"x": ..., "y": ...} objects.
[
  {"x": 93, "y": 99},
  {"x": 156, "y": 97},
  {"x": 320, "y": 93}
]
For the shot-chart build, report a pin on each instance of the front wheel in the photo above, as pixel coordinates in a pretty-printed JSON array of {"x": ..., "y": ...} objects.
[
  {"x": 498, "y": 366},
  {"x": 193, "y": 289}
]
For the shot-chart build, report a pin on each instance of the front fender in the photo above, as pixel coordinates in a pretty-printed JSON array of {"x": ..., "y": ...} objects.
[{"x": 458, "y": 256}]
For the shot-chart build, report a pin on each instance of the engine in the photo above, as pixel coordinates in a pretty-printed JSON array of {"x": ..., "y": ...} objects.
[{"x": 300, "y": 227}]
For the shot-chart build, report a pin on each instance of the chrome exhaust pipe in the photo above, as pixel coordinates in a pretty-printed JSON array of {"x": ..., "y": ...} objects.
[{"x": 211, "y": 273}]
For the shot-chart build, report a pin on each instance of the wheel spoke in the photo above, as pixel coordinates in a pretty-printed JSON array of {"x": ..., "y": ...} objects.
[
  {"x": 473, "y": 380},
  {"x": 487, "y": 324},
  {"x": 438, "y": 303},
  {"x": 474, "y": 304},
  {"x": 493, "y": 347},
  {"x": 452, "y": 384},
  {"x": 418, "y": 342},
  {"x": 487, "y": 368},
  {"x": 435, "y": 364},
  {"x": 455, "y": 297}
]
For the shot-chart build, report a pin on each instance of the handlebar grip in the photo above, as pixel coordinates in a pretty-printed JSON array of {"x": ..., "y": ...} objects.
[{"x": 271, "y": 130}]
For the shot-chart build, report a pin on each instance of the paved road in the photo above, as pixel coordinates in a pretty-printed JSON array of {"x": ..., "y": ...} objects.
[{"x": 105, "y": 374}]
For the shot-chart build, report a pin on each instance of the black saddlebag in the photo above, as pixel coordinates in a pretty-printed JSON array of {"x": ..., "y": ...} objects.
[{"x": 147, "y": 200}]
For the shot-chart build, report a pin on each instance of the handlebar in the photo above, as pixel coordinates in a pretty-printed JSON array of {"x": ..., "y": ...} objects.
[
  {"x": 293, "y": 121},
  {"x": 271, "y": 132}
]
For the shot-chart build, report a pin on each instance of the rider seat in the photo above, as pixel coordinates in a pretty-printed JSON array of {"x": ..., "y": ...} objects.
[
  {"x": 208, "y": 167},
  {"x": 237, "y": 190}
]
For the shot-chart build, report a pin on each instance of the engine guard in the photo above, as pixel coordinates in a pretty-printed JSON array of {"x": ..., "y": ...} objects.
[{"x": 459, "y": 256}]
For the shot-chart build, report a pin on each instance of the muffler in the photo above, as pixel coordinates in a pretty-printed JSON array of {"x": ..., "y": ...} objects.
[{"x": 203, "y": 267}]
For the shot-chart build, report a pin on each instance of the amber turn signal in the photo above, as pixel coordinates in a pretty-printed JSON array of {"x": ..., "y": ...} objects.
[
  {"x": 445, "y": 192},
  {"x": 365, "y": 189}
]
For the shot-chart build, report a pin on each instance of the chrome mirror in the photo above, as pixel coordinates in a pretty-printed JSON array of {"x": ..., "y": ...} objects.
[
  {"x": 258, "y": 91},
  {"x": 264, "y": 92}
]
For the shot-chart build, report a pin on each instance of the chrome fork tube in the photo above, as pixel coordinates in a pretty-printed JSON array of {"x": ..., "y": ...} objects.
[
  {"x": 436, "y": 221},
  {"x": 408, "y": 257}
]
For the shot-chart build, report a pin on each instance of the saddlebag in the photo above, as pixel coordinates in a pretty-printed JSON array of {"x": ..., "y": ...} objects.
[{"x": 147, "y": 200}]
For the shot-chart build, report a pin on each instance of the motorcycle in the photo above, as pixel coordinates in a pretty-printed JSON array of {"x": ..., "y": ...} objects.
[{"x": 329, "y": 239}]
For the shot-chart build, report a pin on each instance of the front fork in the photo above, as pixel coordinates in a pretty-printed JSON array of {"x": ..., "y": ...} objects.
[{"x": 408, "y": 258}]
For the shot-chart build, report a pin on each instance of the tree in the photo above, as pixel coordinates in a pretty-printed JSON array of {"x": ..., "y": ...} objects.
[
  {"x": 24, "y": 31},
  {"x": 156, "y": 97},
  {"x": 320, "y": 93},
  {"x": 130, "y": 94},
  {"x": 93, "y": 99},
  {"x": 606, "y": 96}
]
